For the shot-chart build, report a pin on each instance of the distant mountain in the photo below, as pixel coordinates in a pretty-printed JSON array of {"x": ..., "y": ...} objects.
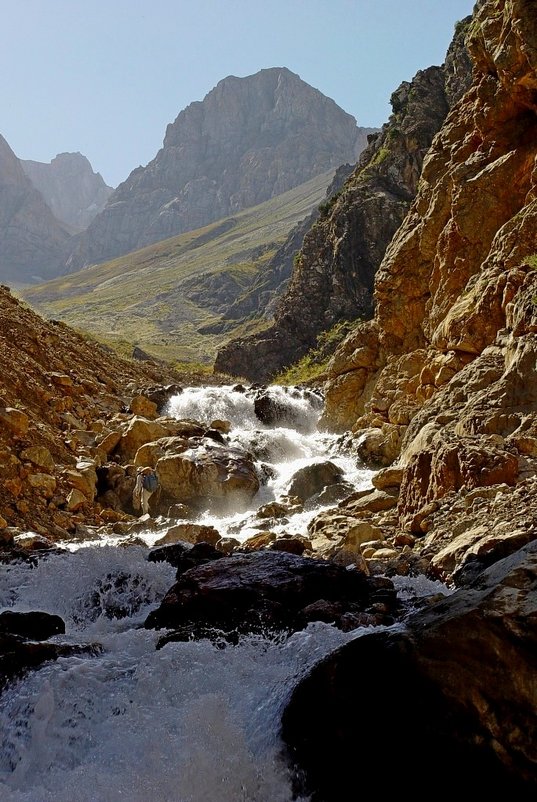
[
  {"x": 249, "y": 140},
  {"x": 32, "y": 241},
  {"x": 71, "y": 189}
]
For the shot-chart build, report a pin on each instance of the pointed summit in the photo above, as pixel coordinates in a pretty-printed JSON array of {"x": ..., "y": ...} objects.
[
  {"x": 32, "y": 241},
  {"x": 249, "y": 140}
]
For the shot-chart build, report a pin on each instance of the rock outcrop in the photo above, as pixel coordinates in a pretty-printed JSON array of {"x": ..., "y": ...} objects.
[
  {"x": 71, "y": 189},
  {"x": 335, "y": 269},
  {"x": 32, "y": 241},
  {"x": 442, "y": 382},
  {"x": 450, "y": 699},
  {"x": 249, "y": 140}
]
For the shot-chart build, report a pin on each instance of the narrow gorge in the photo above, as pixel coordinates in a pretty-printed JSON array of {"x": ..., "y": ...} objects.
[{"x": 333, "y": 576}]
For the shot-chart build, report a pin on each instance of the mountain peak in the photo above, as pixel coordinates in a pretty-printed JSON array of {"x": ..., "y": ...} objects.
[{"x": 248, "y": 140}]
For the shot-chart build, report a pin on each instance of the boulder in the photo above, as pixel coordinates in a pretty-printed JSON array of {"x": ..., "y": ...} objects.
[
  {"x": 184, "y": 556},
  {"x": 190, "y": 533},
  {"x": 140, "y": 405},
  {"x": 312, "y": 479},
  {"x": 273, "y": 411},
  {"x": 439, "y": 680},
  {"x": 42, "y": 483},
  {"x": 82, "y": 482},
  {"x": 35, "y": 625},
  {"x": 139, "y": 431},
  {"x": 76, "y": 500},
  {"x": 40, "y": 456},
  {"x": 259, "y": 590},
  {"x": 292, "y": 544},
  {"x": 15, "y": 421},
  {"x": 208, "y": 474},
  {"x": 260, "y": 541}
]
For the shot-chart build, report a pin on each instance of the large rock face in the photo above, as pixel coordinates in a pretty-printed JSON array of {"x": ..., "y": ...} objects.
[
  {"x": 249, "y": 140},
  {"x": 70, "y": 187},
  {"x": 449, "y": 700},
  {"x": 443, "y": 379},
  {"x": 32, "y": 240},
  {"x": 334, "y": 273}
]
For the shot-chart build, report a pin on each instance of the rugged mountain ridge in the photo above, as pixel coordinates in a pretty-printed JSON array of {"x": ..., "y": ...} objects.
[
  {"x": 71, "y": 189},
  {"x": 333, "y": 277},
  {"x": 250, "y": 139},
  {"x": 441, "y": 384},
  {"x": 32, "y": 240}
]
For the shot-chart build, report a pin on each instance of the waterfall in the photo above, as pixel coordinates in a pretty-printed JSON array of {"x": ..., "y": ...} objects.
[{"x": 283, "y": 447}]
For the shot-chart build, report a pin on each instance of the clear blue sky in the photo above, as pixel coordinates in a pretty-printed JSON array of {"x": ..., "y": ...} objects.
[{"x": 105, "y": 77}]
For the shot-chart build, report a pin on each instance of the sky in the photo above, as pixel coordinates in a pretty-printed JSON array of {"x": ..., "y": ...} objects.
[{"x": 105, "y": 77}]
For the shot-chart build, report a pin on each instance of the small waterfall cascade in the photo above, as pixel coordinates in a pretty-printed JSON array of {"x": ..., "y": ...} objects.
[{"x": 284, "y": 447}]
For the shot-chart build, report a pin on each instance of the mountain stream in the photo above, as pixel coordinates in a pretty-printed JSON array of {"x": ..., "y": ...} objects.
[{"x": 191, "y": 722}]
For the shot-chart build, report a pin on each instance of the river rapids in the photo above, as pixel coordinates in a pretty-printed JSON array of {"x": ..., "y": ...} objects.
[{"x": 191, "y": 722}]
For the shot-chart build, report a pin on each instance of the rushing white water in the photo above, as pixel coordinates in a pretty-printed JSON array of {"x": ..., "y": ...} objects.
[
  {"x": 187, "y": 723},
  {"x": 190, "y": 722},
  {"x": 284, "y": 449}
]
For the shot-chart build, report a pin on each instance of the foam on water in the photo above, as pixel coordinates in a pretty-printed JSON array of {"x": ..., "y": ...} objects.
[
  {"x": 188, "y": 723},
  {"x": 283, "y": 448},
  {"x": 224, "y": 403}
]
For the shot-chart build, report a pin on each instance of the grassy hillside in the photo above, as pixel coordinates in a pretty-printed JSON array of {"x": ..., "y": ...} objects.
[{"x": 170, "y": 298}]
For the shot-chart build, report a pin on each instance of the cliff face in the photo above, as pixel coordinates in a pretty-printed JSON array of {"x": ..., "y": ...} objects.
[
  {"x": 333, "y": 277},
  {"x": 443, "y": 379},
  {"x": 70, "y": 188},
  {"x": 32, "y": 241},
  {"x": 250, "y": 139},
  {"x": 270, "y": 286}
]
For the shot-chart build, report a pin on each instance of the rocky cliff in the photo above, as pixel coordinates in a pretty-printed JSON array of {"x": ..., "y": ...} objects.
[
  {"x": 32, "y": 240},
  {"x": 250, "y": 139},
  {"x": 333, "y": 277},
  {"x": 442, "y": 382},
  {"x": 70, "y": 188},
  {"x": 262, "y": 298}
]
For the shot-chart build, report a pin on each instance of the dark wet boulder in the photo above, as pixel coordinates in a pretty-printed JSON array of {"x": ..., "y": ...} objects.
[
  {"x": 184, "y": 556},
  {"x": 282, "y": 409},
  {"x": 262, "y": 589},
  {"x": 22, "y": 645},
  {"x": 34, "y": 625},
  {"x": 453, "y": 704}
]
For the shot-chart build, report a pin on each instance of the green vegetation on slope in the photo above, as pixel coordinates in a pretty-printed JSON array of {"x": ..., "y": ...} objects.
[
  {"x": 313, "y": 365},
  {"x": 170, "y": 298}
]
